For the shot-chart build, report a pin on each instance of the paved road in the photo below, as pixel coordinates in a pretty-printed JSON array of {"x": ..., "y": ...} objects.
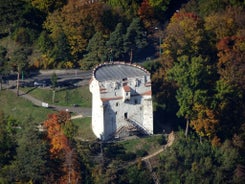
[{"x": 75, "y": 77}]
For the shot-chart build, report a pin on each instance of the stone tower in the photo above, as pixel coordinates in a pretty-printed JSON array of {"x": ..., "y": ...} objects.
[{"x": 121, "y": 100}]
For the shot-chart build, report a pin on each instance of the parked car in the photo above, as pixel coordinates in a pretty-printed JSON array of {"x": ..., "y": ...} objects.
[{"x": 40, "y": 83}]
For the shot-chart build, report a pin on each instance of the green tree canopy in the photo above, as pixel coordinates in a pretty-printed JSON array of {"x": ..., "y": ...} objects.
[
  {"x": 135, "y": 38},
  {"x": 115, "y": 43},
  {"x": 48, "y": 5},
  {"x": 7, "y": 140},
  {"x": 192, "y": 76},
  {"x": 11, "y": 15},
  {"x": 3, "y": 63},
  {"x": 97, "y": 51},
  {"x": 188, "y": 161},
  {"x": 30, "y": 164}
]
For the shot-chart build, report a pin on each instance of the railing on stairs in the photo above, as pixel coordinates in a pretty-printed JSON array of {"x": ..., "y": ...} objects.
[
  {"x": 138, "y": 126},
  {"x": 132, "y": 126}
]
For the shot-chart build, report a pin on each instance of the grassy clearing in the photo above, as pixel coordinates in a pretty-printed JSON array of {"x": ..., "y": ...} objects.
[
  {"x": 149, "y": 144},
  {"x": 63, "y": 97},
  {"x": 84, "y": 128},
  {"x": 21, "y": 109}
]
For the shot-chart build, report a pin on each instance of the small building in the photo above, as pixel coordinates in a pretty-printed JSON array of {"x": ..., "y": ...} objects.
[{"x": 121, "y": 100}]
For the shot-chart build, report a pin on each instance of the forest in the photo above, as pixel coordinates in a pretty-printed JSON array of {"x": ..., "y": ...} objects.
[{"x": 195, "y": 51}]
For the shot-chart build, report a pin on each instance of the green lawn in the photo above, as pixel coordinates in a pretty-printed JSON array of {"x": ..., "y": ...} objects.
[
  {"x": 21, "y": 109},
  {"x": 149, "y": 144},
  {"x": 84, "y": 129},
  {"x": 80, "y": 96}
]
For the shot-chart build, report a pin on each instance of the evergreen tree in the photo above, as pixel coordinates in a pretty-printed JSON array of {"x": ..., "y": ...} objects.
[
  {"x": 7, "y": 140},
  {"x": 3, "y": 64},
  {"x": 115, "y": 43},
  {"x": 11, "y": 15},
  {"x": 44, "y": 42},
  {"x": 96, "y": 50},
  {"x": 61, "y": 50},
  {"x": 30, "y": 164},
  {"x": 135, "y": 38},
  {"x": 19, "y": 62}
]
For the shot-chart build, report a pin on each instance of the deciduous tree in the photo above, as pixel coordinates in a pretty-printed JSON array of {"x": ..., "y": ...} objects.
[
  {"x": 146, "y": 13},
  {"x": 19, "y": 62},
  {"x": 192, "y": 76},
  {"x": 48, "y": 6},
  {"x": 184, "y": 35},
  {"x": 188, "y": 161},
  {"x": 231, "y": 63},
  {"x": 206, "y": 121},
  {"x": 225, "y": 23},
  {"x": 61, "y": 150}
]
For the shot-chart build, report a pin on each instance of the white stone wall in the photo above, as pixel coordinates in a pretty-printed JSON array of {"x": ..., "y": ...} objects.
[
  {"x": 116, "y": 111},
  {"x": 97, "y": 109},
  {"x": 110, "y": 107},
  {"x": 148, "y": 114}
]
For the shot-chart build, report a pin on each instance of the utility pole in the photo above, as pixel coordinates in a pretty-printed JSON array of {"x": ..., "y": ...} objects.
[
  {"x": 131, "y": 55},
  {"x": 18, "y": 81},
  {"x": 160, "y": 40}
]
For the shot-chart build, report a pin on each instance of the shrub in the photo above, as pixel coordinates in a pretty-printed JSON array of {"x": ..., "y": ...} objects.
[
  {"x": 127, "y": 156},
  {"x": 162, "y": 140},
  {"x": 141, "y": 153}
]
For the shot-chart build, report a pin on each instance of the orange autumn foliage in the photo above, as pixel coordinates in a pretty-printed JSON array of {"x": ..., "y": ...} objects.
[
  {"x": 146, "y": 14},
  {"x": 206, "y": 121},
  {"x": 61, "y": 149},
  {"x": 231, "y": 65},
  {"x": 58, "y": 140},
  {"x": 216, "y": 141}
]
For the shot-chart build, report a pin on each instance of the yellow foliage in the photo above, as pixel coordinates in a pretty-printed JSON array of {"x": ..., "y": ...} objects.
[
  {"x": 37, "y": 63},
  {"x": 46, "y": 61},
  {"x": 225, "y": 24},
  {"x": 205, "y": 122},
  {"x": 184, "y": 33},
  {"x": 68, "y": 65}
]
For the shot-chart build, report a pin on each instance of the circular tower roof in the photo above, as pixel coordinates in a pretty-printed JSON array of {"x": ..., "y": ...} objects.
[{"x": 118, "y": 71}]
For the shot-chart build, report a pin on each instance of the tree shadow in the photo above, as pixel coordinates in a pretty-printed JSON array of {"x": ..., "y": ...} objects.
[{"x": 30, "y": 90}]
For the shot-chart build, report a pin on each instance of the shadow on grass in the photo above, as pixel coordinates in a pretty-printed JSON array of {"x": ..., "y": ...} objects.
[{"x": 30, "y": 90}]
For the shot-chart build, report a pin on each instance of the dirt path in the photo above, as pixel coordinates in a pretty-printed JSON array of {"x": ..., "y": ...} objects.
[
  {"x": 147, "y": 158},
  {"x": 169, "y": 143}
]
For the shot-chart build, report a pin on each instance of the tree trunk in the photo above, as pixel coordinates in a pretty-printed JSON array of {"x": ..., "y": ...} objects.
[
  {"x": 187, "y": 127},
  {"x": 53, "y": 96},
  {"x": 131, "y": 55},
  {"x": 200, "y": 139},
  {"x": 18, "y": 83},
  {"x": 1, "y": 82}
]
